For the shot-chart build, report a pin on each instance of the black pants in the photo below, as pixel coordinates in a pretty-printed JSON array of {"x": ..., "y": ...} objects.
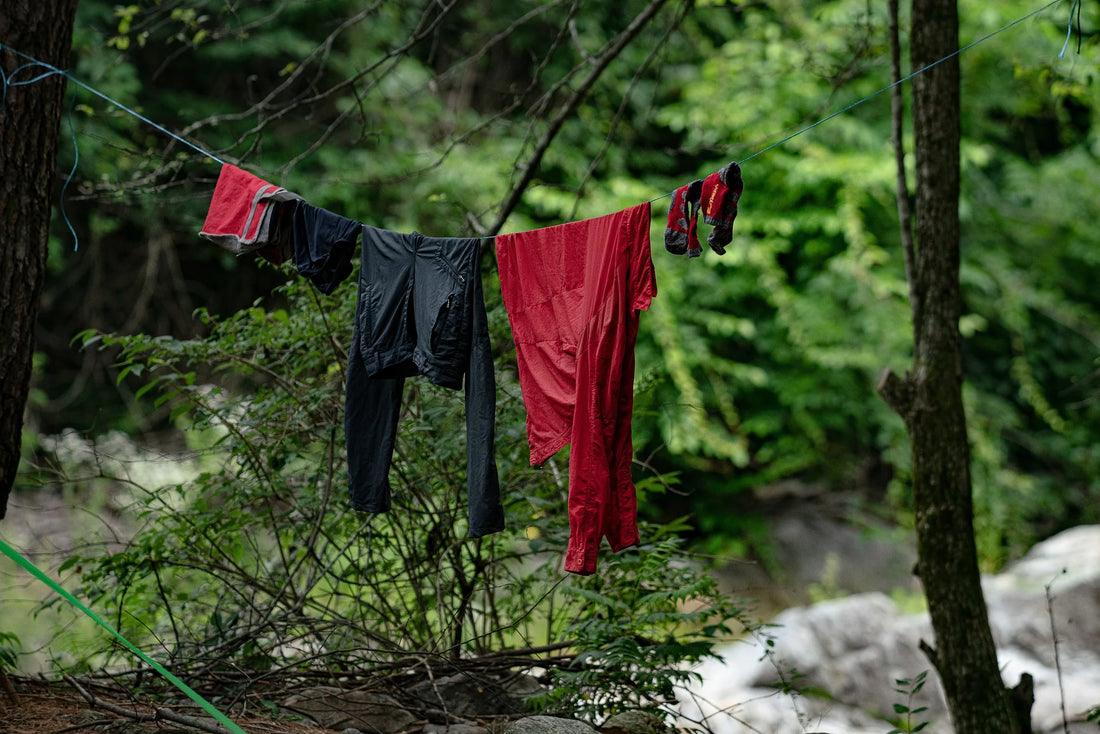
[{"x": 420, "y": 311}]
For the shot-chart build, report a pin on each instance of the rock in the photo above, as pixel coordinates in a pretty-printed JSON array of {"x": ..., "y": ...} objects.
[
  {"x": 767, "y": 710},
  {"x": 351, "y": 731},
  {"x": 852, "y": 650},
  {"x": 522, "y": 685},
  {"x": 335, "y": 708},
  {"x": 634, "y": 722},
  {"x": 1069, "y": 564},
  {"x": 548, "y": 725},
  {"x": 454, "y": 729},
  {"x": 1065, "y": 567},
  {"x": 470, "y": 694},
  {"x": 816, "y": 547}
]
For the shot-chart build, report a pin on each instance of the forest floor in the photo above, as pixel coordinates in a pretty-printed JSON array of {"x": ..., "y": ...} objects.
[{"x": 56, "y": 707}]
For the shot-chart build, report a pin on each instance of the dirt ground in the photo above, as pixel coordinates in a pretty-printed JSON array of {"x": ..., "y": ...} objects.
[{"x": 55, "y": 707}]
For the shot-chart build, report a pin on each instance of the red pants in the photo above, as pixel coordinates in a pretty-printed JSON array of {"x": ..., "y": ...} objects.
[{"x": 573, "y": 293}]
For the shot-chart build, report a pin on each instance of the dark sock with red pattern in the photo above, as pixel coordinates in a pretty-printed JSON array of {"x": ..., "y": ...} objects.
[
  {"x": 682, "y": 231},
  {"x": 721, "y": 192}
]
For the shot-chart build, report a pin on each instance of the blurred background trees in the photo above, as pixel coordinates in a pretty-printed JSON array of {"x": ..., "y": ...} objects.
[{"x": 755, "y": 369}]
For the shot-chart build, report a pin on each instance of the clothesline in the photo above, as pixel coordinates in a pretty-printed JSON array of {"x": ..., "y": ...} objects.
[
  {"x": 904, "y": 79},
  {"x": 9, "y": 80},
  {"x": 51, "y": 70}
]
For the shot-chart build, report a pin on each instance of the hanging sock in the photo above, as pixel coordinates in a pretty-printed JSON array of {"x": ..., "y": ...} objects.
[
  {"x": 721, "y": 192},
  {"x": 682, "y": 232}
]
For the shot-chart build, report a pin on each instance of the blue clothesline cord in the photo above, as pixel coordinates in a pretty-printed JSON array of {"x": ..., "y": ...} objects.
[
  {"x": 8, "y": 81},
  {"x": 72, "y": 174},
  {"x": 910, "y": 76},
  {"x": 53, "y": 71},
  {"x": 1069, "y": 28}
]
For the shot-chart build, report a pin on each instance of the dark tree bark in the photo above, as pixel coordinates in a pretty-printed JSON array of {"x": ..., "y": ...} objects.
[
  {"x": 930, "y": 398},
  {"x": 28, "y": 151}
]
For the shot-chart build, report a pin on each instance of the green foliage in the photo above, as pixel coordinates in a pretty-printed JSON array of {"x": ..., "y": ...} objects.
[
  {"x": 646, "y": 618},
  {"x": 909, "y": 687},
  {"x": 258, "y": 564},
  {"x": 258, "y": 558},
  {"x": 753, "y": 368},
  {"x": 763, "y": 363},
  {"x": 9, "y": 650}
]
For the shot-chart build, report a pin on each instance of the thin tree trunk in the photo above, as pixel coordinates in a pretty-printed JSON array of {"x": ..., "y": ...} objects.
[
  {"x": 930, "y": 399},
  {"x": 28, "y": 151}
]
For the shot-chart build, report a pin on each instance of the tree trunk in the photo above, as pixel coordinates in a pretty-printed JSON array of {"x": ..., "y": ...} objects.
[
  {"x": 930, "y": 399},
  {"x": 28, "y": 151}
]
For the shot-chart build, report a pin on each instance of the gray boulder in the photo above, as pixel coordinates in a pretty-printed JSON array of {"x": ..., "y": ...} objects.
[
  {"x": 548, "y": 725},
  {"x": 470, "y": 694},
  {"x": 454, "y": 729},
  {"x": 846, "y": 654},
  {"x": 338, "y": 709},
  {"x": 634, "y": 722},
  {"x": 1058, "y": 578}
]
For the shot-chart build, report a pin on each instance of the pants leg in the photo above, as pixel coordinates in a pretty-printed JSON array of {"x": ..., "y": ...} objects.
[
  {"x": 371, "y": 412},
  {"x": 589, "y": 490},
  {"x": 486, "y": 511}
]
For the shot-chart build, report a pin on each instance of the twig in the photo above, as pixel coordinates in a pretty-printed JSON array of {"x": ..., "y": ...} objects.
[
  {"x": 524, "y": 651},
  {"x": 78, "y": 727},
  {"x": 600, "y": 63},
  {"x": 930, "y": 653},
  {"x": 1057, "y": 655},
  {"x": 905, "y": 217},
  {"x": 160, "y": 714}
]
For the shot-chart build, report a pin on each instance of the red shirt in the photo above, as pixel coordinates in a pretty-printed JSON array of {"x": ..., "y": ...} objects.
[{"x": 573, "y": 293}]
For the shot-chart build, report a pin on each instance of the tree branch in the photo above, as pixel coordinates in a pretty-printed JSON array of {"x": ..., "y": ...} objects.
[
  {"x": 601, "y": 63},
  {"x": 657, "y": 48},
  {"x": 1023, "y": 698},
  {"x": 898, "y": 392},
  {"x": 161, "y": 714},
  {"x": 930, "y": 653},
  {"x": 905, "y": 216}
]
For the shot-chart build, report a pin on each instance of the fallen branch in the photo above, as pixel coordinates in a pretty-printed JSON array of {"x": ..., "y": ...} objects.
[
  {"x": 160, "y": 714},
  {"x": 9, "y": 689}
]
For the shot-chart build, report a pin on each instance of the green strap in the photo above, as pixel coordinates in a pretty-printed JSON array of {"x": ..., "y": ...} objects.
[{"x": 37, "y": 573}]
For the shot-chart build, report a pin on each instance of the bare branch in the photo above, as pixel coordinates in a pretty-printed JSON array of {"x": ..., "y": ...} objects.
[
  {"x": 898, "y": 393},
  {"x": 657, "y": 48},
  {"x": 905, "y": 217},
  {"x": 161, "y": 714},
  {"x": 605, "y": 58}
]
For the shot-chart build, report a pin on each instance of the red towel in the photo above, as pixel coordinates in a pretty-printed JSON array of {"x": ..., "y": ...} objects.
[{"x": 240, "y": 214}]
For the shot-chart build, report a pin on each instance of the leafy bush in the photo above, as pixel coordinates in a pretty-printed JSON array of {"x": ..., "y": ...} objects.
[
  {"x": 9, "y": 650},
  {"x": 646, "y": 618},
  {"x": 257, "y": 564}
]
